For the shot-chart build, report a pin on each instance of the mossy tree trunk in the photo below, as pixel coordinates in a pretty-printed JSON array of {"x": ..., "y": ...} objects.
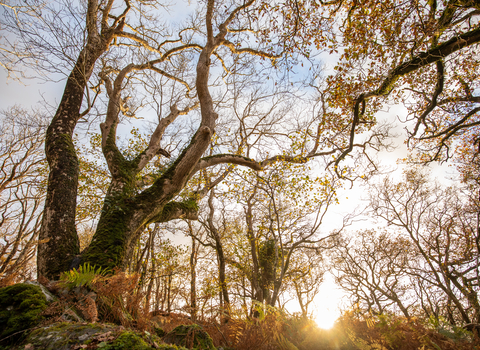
[{"x": 58, "y": 236}]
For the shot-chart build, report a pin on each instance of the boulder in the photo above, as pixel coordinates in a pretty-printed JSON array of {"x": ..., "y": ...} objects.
[
  {"x": 48, "y": 296},
  {"x": 21, "y": 307}
]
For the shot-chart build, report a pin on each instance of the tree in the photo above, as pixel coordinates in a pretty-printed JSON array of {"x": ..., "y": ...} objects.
[
  {"x": 442, "y": 229},
  {"x": 100, "y": 27},
  {"x": 22, "y": 190},
  {"x": 121, "y": 43},
  {"x": 283, "y": 214},
  {"x": 373, "y": 268},
  {"x": 307, "y": 273},
  {"x": 125, "y": 212},
  {"x": 217, "y": 244},
  {"x": 420, "y": 54}
]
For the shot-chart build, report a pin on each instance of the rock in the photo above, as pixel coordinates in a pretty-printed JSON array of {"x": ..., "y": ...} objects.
[
  {"x": 191, "y": 336},
  {"x": 66, "y": 336},
  {"x": 75, "y": 336},
  {"x": 84, "y": 301},
  {"x": 159, "y": 331},
  {"x": 170, "y": 347},
  {"x": 21, "y": 307},
  {"x": 69, "y": 315},
  {"x": 48, "y": 296}
]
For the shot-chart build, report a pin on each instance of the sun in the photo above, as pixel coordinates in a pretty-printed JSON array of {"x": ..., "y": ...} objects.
[{"x": 326, "y": 317}]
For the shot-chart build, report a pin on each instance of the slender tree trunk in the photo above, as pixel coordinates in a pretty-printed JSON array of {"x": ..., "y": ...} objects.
[
  {"x": 169, "y": 288},
  {"x": 222, "y": 277},
  {"x": 157, "y": 294},
  {"x": 193, "y": 278},
  {"x": 164, "y": 292},
  {"x": 257, "y": 291},
  {"x": 153, "y": 271}
]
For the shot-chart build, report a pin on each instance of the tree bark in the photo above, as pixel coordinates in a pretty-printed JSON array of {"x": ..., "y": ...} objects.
[{"x": 58, "y": 235}]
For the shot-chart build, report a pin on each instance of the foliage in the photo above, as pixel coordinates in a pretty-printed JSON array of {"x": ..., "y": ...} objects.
[
  {"x": 84, "y": 275},
  {"x": 392, "y": 332},
  {"x": 445, "y": 328},
  {"x": 278, "y": 330},
  {"x": 191, "y": 336}
]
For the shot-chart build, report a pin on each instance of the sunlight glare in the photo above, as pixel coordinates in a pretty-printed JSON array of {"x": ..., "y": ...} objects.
[
  {"x": 327, "y": 303},
  {"x": 326, "y": 317}
]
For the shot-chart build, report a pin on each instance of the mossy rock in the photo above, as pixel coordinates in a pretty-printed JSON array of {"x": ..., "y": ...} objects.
[
  {"x": 21, "y": 307},
  {"x": 134, "y": 341},
  {"x": 159, "y": 331},
  {"x": 191, "y": 336},
  {"x": 127, "y": 341},
  {"x": 170, "y": 347},
  {"x": 66, "y": 336}
]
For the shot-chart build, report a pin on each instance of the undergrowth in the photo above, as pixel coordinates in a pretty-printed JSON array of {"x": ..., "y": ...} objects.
[
  {"x": 119, "y": 300},
  {"x": 100, "y": 295},
  {"x": 280, "y": 331}
]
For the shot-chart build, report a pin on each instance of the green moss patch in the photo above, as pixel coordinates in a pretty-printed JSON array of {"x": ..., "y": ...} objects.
[
  {"x": 127, "y": 341},
  {"x": 21, "y": 307}
]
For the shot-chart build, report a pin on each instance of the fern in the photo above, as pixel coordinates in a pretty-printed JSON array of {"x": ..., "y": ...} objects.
[{"x": 85, "y": 275}]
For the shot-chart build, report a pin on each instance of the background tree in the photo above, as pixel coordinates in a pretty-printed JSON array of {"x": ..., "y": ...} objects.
[
  {"x": 281, "y": 219},
  {"x": 22, "y": 191},
  {"x": 373, "y": 268},
  {"x": 217, "y": 243},
  {"x": 307, "y": 273},
  {"x": 442, "y": 230},
  {"x": 419, "y": 54}
]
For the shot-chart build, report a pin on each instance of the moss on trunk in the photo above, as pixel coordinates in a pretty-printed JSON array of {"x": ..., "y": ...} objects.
[{"x": 108, "y": 245}]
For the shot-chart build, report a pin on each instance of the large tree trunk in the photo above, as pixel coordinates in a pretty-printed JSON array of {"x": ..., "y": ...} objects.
[
  {"x": 58, "y": 236},
  {"x": 125, "y": 217},
  {"x": 125, "y": 214}
]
